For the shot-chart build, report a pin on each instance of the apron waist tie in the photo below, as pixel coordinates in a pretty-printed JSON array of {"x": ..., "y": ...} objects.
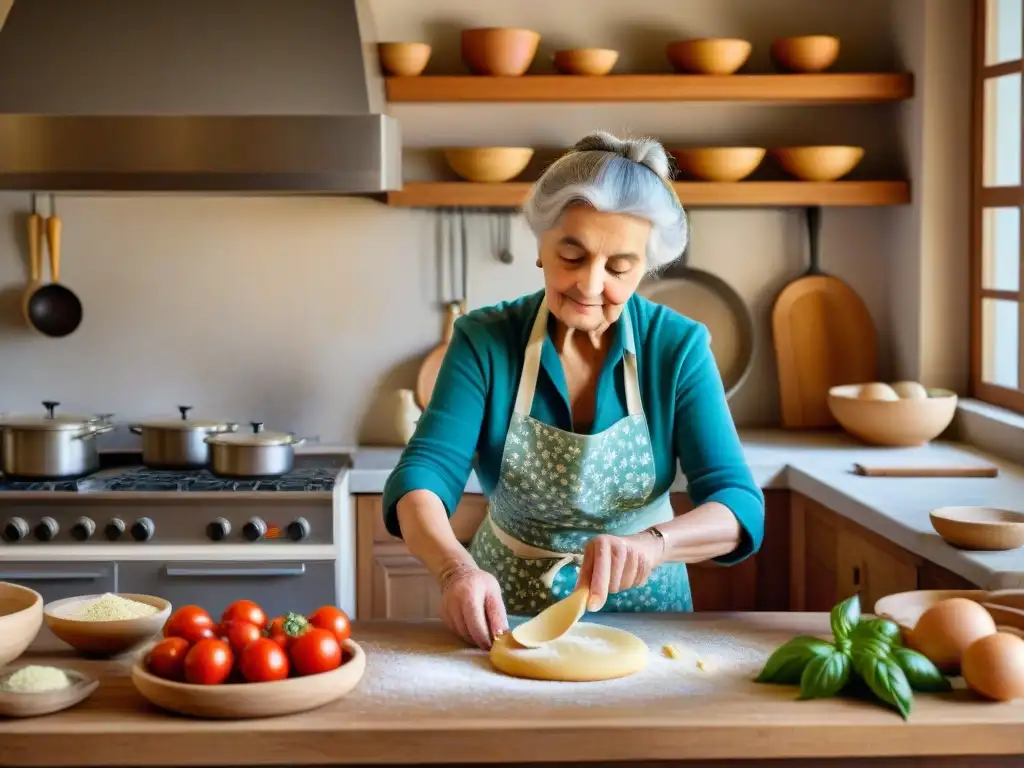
[{"x": 528, "y": 552}]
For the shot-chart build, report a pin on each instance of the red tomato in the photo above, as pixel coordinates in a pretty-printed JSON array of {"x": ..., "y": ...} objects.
[
  {"x": 264, "y": 660},
  {"x": 315, "y": 651},
  {"x": 166, "y": 659},
  {"x": 247, "y": 611},
  {"x": 333, "y": 620},
  {"x": 209, "y": 662},
  {"x": 190, "y": 622},
  {"x": 284, "y": 629},
  {"x": 238, "y": 634}
]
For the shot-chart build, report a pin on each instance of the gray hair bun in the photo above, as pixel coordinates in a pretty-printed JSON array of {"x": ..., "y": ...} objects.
[
  {"x": 646, "y": 151},
  {"x": 628, "y": 175}
]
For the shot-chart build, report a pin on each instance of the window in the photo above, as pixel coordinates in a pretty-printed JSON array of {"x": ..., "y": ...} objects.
[{"x": 997, "y": 364}]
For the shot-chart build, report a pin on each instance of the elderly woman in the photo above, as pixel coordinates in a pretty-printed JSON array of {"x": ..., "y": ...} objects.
[{"x": 578, "y": 403}]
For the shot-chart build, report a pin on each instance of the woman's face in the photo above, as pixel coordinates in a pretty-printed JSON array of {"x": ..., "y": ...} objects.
[{"x": 592, "y": 262}]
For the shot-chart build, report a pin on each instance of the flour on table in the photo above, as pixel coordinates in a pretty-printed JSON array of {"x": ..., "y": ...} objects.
[{"x": 440, "y": 673}]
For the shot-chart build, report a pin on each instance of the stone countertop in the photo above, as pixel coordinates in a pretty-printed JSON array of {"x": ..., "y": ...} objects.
[
  {"x": 426, "y": 698},
  {"x": 820, "y": 466}
]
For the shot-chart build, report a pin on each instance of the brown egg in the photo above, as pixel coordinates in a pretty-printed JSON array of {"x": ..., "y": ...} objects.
[
  {"x": 946, "y": 629},
  {"x": 994, "y": 666}
]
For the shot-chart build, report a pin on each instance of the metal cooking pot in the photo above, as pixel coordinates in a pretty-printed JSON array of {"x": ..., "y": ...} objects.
[
  {"x": 252, "y": 454},
  {"x": 50, "y": 447},
  {"x": 178, "y": 443}
]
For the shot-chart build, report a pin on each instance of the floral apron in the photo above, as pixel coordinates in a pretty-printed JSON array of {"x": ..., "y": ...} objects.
[{"x": 557, "y": 490}]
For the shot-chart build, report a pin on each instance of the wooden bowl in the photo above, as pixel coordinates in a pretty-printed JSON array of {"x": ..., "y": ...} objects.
[
  {"x": 826, "y": 163},
  {"x": 488, "y": 164},
  {"x": 245, "y": 700},
  {"x": 21, "y": 616},
  {"x": 499, "y": 51},
  {"x": 719, "y": 163},
  {"x": 905, "y": 608},
  {"x": 901, "y": 422},
  {"x": 403, "y": 59},
  {"x": 14, "y": 704},
  {"x": 104, "y": 638},
  {"x": 979, "y": 528},
  {"x": 807, "y": 53},
  {"x": 708, "y": 55},
  {"x": 586, "y": 61},
  {"x": 1006, "y": 607}
]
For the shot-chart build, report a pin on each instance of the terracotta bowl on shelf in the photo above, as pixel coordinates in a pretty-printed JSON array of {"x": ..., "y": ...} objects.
[
  {"x": 403, "y": 59},
  {"x": 818, "y": 163},
  {"x": 718, "y": 163},
  {"x": 903, "y": 422},
  {"x": 708, "y": 55},
  {"x": 499, "y": 51},
  {"x": 805, "y": 54},
  {"x": 248, "y": 700},
  {"x": 104, "y": 638},
  {"x": 987, "y": 529},
  {"x": 488, "y": 164},
  {"x": 586, "y": 61},
  {"x": 21, "y": 616}
]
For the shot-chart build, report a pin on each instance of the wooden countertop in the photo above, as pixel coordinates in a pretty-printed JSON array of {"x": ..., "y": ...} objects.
[{"x": 427, "y": 699}]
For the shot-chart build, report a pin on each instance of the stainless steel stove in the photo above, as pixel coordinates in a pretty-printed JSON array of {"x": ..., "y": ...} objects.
[{"x": 189, "y": 536}]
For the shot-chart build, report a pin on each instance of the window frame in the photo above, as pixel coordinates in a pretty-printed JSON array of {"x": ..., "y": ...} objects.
[{"x": 983, "y": 198}]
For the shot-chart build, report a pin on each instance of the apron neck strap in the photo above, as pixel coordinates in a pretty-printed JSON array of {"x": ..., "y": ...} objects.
[{"x": 532, "y": 357}]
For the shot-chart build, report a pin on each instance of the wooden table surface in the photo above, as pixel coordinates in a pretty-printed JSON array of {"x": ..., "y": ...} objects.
[{"x": 427, "y": 699}]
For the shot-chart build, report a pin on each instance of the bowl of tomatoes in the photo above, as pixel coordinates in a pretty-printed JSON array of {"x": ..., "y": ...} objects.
[{"x": 246, "y": 665}]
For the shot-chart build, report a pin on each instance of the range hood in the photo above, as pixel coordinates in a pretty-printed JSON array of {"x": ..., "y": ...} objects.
[{"x": 239, "y": 96}]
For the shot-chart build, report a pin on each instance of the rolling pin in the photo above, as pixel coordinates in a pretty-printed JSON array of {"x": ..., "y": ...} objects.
[{"x": 869, "y": 471}]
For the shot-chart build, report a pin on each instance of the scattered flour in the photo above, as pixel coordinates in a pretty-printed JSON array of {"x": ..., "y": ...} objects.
[{"x": 436, "y": 673}]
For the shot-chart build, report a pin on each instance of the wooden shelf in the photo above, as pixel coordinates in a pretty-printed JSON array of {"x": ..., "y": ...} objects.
[
  {"x": 632, "y": 88},
  {"x": 743, "y": 194}
]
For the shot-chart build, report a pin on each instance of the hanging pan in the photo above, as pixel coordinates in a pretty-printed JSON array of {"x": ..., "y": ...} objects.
[
  {"x": 707, "y": 298},
  {"x": 52, "y": 309}
]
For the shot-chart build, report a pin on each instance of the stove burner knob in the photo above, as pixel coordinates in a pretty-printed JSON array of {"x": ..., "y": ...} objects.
[
  {"x": 219, "y": 529},
  {"x": 254, "y": 529},
  {"x": 16, "y": 529},
  {"x": 47, "y": 529},
  {"x": 143, "y": 529},
  {"x": 114, "y": 529},
  {"x": 83, "y": 529},
  {"x": 298, "y": 529}
]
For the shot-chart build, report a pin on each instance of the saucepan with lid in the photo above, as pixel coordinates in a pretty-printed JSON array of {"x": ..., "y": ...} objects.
[
  {"x": 50, "y": 446},
  {"x": 178, "y": 443},
  {"x": 253, "y": 454}
]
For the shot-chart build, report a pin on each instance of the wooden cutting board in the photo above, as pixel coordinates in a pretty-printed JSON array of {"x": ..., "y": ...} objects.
[{"x": 824, "y": 336}]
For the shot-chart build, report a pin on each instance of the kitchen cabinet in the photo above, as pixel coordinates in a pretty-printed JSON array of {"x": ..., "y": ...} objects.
[
  {"x": 392, "y": 584},
  {"x": 834, "y": 558}
]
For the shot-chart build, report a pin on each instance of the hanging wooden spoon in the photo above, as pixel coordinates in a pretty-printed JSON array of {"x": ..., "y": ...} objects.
[{"x": 554, "y": 621}]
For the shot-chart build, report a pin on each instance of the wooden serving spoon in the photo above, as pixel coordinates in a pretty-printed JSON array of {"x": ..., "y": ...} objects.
[{"x": 554, "y": 621}]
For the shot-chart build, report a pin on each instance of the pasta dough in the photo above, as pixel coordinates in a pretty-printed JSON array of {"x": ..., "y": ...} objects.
[{"x": 586, "y": 653}]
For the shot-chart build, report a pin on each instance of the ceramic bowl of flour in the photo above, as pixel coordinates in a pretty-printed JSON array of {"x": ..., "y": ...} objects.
[{"x": 104, "y": 625}]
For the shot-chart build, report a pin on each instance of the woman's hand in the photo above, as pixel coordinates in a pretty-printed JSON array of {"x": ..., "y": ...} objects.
[
  {"x": 471, "y": 604},
  {"x": 616, "y": 563}
]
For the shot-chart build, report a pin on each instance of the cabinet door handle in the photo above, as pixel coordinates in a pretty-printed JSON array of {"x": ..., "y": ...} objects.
[
  {"x": 856, "y": 575},
  {"x": 238, "y": 572},
  {"x": 51, "y": 576}
]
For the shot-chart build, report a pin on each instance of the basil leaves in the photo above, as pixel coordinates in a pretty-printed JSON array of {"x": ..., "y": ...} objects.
[{"x": 868, "y": 651}]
